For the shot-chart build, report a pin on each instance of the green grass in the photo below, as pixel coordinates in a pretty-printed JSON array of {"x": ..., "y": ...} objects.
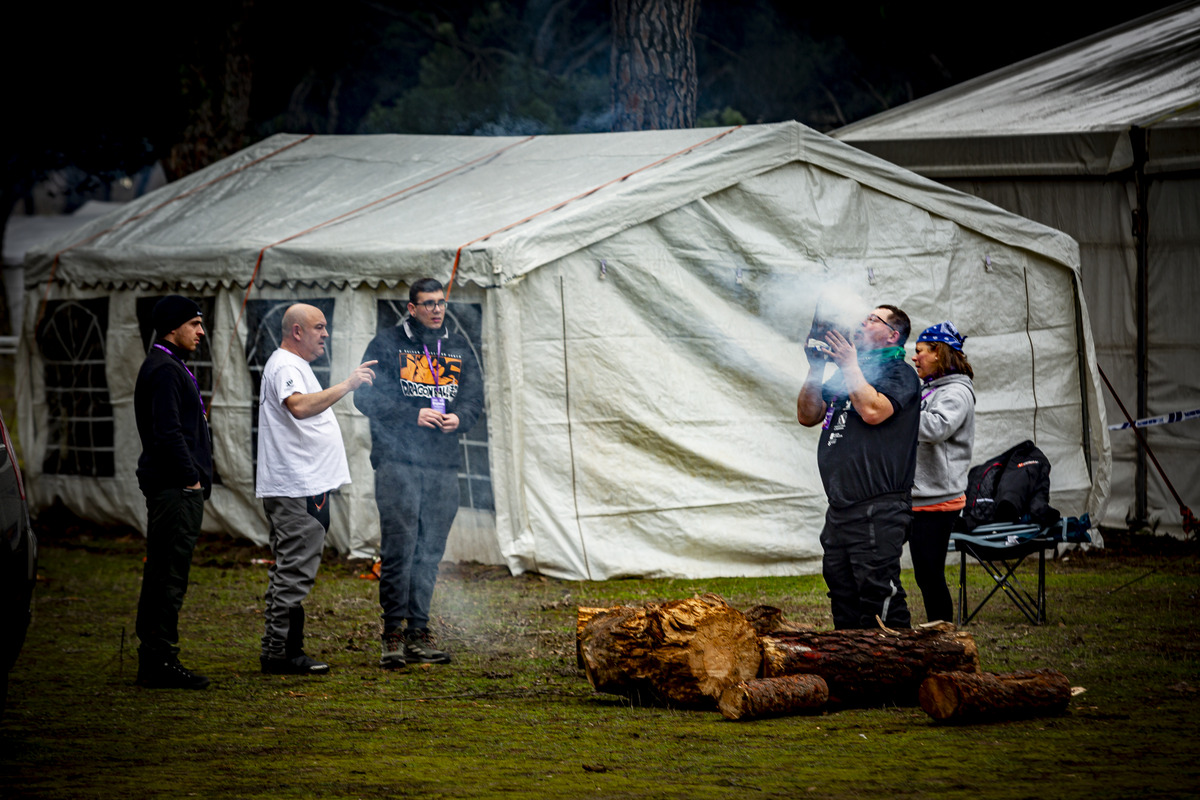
[{"x": 512, "y": 717}]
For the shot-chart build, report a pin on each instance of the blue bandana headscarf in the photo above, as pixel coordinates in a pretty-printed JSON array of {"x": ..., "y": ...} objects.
[{"x": 944, "y": 332}]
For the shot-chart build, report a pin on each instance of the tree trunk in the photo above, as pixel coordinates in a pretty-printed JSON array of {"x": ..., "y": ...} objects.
[
  {"x": 773, "y": 696},
  {"x": 654, "y": 64},
  {"x": 975, "y": 697},
  {"x": 864, "y": 667},
  {"x": 682, "y": 652},
  {"x": 216, "y": 87}
]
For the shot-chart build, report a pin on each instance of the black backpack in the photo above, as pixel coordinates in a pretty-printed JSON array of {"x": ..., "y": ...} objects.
[{"x": 1012, "y": 487}]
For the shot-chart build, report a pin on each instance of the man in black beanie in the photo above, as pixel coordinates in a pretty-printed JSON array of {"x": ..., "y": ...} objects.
[{"x": 175, "y": 474}]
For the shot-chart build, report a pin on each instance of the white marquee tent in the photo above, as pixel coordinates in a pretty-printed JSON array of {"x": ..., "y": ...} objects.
[
  {"x": 639, "y": 300},
  {"x": 1100, "y": 139}
]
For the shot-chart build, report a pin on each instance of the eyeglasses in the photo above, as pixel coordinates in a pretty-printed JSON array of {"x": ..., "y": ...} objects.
[
  {"x": 430, "y": 305},
  {"x": 877, "y": 318}
]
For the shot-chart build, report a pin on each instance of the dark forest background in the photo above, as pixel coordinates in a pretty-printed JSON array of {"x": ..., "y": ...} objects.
[{"x": 104, "y": 89}]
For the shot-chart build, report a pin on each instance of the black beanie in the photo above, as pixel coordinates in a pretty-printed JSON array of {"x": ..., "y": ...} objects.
[{"x": 171, "y": 312}]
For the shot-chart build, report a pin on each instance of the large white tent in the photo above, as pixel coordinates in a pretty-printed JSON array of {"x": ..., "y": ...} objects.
[
  {"x": 1100, "y": 139},
  {"x": 641, "y": 300}
]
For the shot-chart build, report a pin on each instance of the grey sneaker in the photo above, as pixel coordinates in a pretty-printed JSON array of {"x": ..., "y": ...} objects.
[
  {"x": 419, "y": 649},
  {"x": 393, "y": 650}
]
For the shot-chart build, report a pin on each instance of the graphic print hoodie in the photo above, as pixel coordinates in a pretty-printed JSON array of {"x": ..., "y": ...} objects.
[{"x": 405, "y": 383}]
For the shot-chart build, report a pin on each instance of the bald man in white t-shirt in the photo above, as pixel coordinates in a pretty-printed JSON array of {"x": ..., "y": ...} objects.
[{"x": 301, "y": 459}]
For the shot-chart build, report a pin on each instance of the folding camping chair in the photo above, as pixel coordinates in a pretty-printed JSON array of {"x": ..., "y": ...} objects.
[{"x": 1001, "y": 548}]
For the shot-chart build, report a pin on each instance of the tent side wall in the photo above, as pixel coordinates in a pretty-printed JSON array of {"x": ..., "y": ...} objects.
[{"x": 663, "y": 385}]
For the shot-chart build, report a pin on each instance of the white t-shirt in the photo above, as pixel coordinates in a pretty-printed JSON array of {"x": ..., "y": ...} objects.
[{"x": 296, "y": 457}]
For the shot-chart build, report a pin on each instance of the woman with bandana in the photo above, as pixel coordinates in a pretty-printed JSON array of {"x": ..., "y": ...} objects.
[{"x": 944, "y": 444}]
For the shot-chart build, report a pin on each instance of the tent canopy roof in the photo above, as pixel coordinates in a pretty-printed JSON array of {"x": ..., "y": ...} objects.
[
  {"x": 1145, "y": 72},
  {"x": 381, "y": 210},
  {"x": 1067, "y": 111}
]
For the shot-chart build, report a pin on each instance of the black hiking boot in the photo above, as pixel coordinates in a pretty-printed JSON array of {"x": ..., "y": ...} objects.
[
  {"x": 165, "y": 672},
  {"x": 294, "y": 660}
]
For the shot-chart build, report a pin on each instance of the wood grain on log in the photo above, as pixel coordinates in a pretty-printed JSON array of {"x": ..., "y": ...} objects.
[
  {"x": 681, "y": 652},
  {"x": 975, "y": 697},
  {"x": 864, "y": 667},
  {"x": 773, "y": 696},
  {"x": 583, "y": 615},
  {"x": 769, "y": 619}
]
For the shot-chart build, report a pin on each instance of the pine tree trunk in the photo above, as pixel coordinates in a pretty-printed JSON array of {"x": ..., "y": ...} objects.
[
  {"x": 217, "y": 84},
  {"x": 868, "y": 666},
  {"x": 975, "y": 697},
  {"x": 654, "y": 64}
]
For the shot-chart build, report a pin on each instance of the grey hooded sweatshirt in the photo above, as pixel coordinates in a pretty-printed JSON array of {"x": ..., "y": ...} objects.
[{"x": 945, "y": 439}]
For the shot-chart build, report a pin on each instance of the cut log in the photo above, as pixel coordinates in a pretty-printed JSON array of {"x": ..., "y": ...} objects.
[
  {"x": 769, "y": 619},
  {"x": 583, "y": 615},
  {"x": 682, "y": 652},
  {"x": 866, "y": 667},
  {"x": 977, "y": 697},
  {"x": 767, "y": 697}
]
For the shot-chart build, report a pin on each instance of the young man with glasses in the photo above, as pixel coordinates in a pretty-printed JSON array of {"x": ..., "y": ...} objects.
[
  {"x": 869, "y": 412},
  {"x": 428, "y": 389}
]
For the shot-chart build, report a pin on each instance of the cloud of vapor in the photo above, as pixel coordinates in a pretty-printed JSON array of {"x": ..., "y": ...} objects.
[
  {"x": 840, "y": 308},
  {"x": 823, "y": 303}
]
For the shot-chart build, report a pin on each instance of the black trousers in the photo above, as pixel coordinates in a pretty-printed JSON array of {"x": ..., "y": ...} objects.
[
  {"x": 928, "y": 538},
  {"x": 173, "y": 526},
  {"x": 861, "y": 565}
]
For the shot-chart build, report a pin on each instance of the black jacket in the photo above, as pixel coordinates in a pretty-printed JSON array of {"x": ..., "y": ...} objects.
[
  {"x": 404, "y": 385},
  {"x": 176, "y": 444},
  {"x": 1012, "y": 487}
]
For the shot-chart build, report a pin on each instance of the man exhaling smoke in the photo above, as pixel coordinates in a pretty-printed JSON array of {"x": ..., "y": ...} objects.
[{"x": 869, "y": 412}]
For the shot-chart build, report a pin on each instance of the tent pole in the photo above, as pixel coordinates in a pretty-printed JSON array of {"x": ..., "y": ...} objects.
[
  {"x": 1081, "y": 359},
  {"x": 562, "y": 296},
  {"x": 1141, "y": 234}
]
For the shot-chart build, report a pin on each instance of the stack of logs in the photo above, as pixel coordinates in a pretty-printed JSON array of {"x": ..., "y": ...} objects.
[{"x": 701, "y": 652}]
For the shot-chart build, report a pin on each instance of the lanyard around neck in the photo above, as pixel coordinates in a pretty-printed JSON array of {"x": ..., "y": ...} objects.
[
  {"x": 429, "y": 361},
  {"x": 191, "y": 375}
]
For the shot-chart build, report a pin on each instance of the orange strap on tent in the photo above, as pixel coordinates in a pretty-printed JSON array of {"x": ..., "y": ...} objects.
[
  {"x": 589, "y": 192},
  {"x": 147, "y": 212},
  {"x": 352, "y": 212},
  {"x": 319, "y": 225}
]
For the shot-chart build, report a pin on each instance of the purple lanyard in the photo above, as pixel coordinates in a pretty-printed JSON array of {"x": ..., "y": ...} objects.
[
  {"x": 429, "y": 360},
  {"x": 191, "y": 375},
  {"x": 829, "y": 412}
]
